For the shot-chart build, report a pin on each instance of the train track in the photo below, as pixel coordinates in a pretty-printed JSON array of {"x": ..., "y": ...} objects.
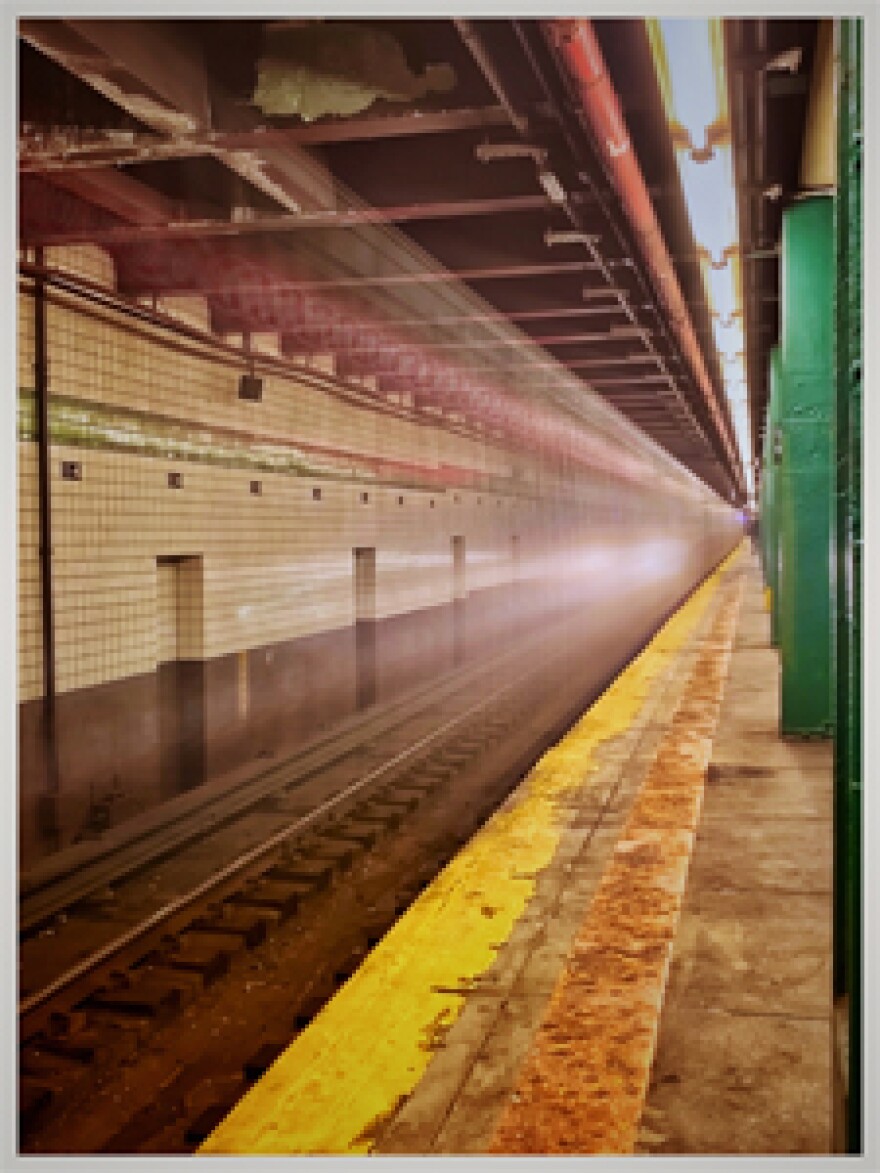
[
  {"x": 165, "y": 923},
  {"x": 357, "y": 752}
]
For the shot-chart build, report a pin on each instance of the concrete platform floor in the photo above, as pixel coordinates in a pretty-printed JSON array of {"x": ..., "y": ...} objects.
[
  {"x": 732, "y": 953},
  {"x": 743, "y": 1061}
]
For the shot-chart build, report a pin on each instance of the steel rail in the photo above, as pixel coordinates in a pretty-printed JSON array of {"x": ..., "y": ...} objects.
[
  {"x": 40, "y": 997},
  {"x": 240, "y": 863},
  {"x": 176, "y": 829}
]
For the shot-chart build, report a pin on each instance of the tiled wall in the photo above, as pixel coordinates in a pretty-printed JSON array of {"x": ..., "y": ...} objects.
[
  {"x": 132, "y": 404},
  {"x": 83, "y": 260},
  {"x": 162, "y": 548},
  {"x": 30, "y": 632},
  {"x": 99, "y": 358}
]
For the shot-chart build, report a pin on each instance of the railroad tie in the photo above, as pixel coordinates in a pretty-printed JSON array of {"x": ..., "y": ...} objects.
[
  {"x": 248, "y": 927},
  {"x": 279, "y": 900}
]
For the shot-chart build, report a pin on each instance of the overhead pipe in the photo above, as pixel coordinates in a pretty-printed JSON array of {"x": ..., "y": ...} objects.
[
  {"x": 485, "y": 61},
  {"x": 577, "y": 48}
]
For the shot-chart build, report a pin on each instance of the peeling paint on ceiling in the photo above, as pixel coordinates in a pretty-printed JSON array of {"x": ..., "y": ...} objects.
[{"x": 339, "y": 69}]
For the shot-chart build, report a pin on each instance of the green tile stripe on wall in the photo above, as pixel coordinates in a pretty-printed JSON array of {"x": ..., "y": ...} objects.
[
  {"x": 27, "y": 414},
  {"x": 82, "y": 424}
]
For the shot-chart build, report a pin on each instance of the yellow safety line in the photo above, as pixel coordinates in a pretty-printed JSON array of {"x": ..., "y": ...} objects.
[
  {"x": 367, "y": 1050},
  {"x": 583, "y": 1085}
]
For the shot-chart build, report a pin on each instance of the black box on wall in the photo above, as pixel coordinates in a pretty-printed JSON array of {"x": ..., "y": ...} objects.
[{"x": 250, "y": 387}]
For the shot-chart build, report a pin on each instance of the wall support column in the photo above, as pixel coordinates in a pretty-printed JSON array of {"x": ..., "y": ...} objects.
[{"x": 805, "y": 485}]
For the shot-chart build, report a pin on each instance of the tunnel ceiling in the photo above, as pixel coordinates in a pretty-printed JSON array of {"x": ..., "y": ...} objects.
[
  {"x": 769, "y": 63},
  {"x": 390, "y": 189}
]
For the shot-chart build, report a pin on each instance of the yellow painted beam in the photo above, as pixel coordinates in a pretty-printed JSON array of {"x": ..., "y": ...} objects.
[
  {"x": 819, "y": 159},
  {"x": 369, "y": 1047}
]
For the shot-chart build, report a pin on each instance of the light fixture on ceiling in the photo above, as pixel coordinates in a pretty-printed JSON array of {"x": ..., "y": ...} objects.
[
  {"x": 554, "y": 236},
  {"x": 552, "y": 186},
  {"x": 250, "y": 385},
  {"x": 788, "y": 60},
  {"x": 628, "y": 331},
  {"x": 596, "y": 293},
  {"x": 495, "y": 152}
]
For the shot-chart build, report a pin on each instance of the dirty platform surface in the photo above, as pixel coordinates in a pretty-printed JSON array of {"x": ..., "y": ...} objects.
[
  {"x": 632, "y": 956},
  {"x": 743, "y": 1062}
]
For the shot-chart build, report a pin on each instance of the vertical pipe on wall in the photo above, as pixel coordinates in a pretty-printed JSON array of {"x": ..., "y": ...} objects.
[{"x": 41, "y": 387}]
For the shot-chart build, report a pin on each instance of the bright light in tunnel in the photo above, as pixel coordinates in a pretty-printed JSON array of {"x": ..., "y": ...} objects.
[{"x": 689, "y": 62}]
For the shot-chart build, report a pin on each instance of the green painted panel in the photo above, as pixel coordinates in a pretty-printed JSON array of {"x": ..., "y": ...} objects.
[{"x": 805, "y": 484}]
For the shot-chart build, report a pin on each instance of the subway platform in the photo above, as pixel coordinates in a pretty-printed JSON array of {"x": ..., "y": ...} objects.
[{"x": 632, "y": 956}]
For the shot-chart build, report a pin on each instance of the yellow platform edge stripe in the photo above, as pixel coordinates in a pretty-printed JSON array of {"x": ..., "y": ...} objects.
[
  {"x": 328, "y": 1092},
  {"x": 583, "y": 1086}
]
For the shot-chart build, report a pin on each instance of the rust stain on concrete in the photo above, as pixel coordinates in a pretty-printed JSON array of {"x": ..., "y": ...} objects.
[{"x": 583, "y": 1085}]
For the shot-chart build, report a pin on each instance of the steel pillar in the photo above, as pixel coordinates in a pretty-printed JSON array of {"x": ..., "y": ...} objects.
[
  {"x": 805, "y": 486},
  {"x": 848, "y": 734},
  {"x": 770, "y": 482}
]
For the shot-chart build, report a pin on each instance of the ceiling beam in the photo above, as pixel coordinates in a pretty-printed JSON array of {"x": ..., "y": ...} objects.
[
  {"x": 56, "y": 151},
  {"x": 595, "y": 364},
  {"x": 88, "y": 185},
  {"x": 115, "y": 192},
  {"x": 144, "y": 67},
  {"x": 151, "y": 74},
  {"x": 498, "y": 318},
  {"x": 632, "y": 381},
  {"x": 438, "y": 276}
]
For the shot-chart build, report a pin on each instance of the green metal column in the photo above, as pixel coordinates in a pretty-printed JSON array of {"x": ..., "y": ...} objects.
[
  {"x": 764, "y": 497},
  {"x": 773, "y": 445},
  {"x": 805, "y": 485},
  {"x": 848, "y": 738}
]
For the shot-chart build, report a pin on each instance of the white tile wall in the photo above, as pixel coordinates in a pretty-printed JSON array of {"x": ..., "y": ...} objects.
[
  {"x": 272, "y": 567},
  {"x": 84, "y": 260}
]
